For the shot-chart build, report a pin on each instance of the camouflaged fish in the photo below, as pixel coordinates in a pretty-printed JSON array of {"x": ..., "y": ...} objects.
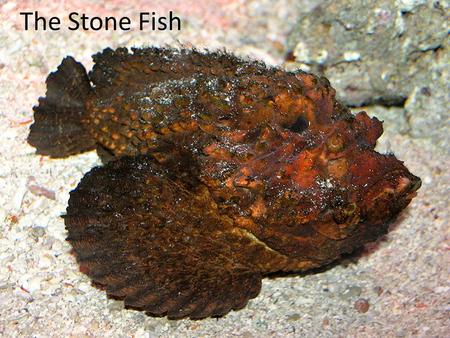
[{"x": 221, "y": 171}]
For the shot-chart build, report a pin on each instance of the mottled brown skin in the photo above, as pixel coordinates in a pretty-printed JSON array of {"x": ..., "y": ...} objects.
[{"x": 225, "y": 170}]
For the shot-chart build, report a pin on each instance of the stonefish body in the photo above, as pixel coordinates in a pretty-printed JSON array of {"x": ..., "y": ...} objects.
[{"x": 221, "y": 171}]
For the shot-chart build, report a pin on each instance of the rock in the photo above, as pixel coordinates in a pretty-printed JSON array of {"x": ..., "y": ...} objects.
[
  {"x": 351, "y": 292},
  {"x": 378, "y": 290},
  {"x": 84, "y": 287},
  {"x": 362, "y": 305},
  {"x": 293, "y": 317},
  {"x": 427, "y": 109},
  {"x": 37, "y": 232},
  {"x": 34, "y": 284},
  {"x": 115, "y": 305},
  {"x": 383, "y": 51}
]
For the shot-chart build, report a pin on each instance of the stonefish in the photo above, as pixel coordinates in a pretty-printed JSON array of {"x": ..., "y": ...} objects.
[{"x": 220, "y": 171}]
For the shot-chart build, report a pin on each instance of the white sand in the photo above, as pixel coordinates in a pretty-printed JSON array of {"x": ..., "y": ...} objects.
[{"x": 404, "y": 277}]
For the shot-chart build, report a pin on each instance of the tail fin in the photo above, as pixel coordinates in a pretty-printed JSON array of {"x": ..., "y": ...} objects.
[{"x": 57, "y": 130}]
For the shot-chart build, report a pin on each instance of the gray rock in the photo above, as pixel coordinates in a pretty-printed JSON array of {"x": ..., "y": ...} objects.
[
  {"x": 382, "y": 52},
  {"x": 351, "y": 292}
]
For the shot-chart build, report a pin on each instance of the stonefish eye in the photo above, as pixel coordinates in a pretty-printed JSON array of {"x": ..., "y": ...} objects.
[{"x": 300, "y": 125}]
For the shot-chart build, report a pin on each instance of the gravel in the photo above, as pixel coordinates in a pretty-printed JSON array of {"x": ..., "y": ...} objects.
[{"x": 397, "y": 287}]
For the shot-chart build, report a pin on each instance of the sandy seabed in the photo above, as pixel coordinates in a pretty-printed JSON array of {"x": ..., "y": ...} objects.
[{"x": 397, "y": 287}]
